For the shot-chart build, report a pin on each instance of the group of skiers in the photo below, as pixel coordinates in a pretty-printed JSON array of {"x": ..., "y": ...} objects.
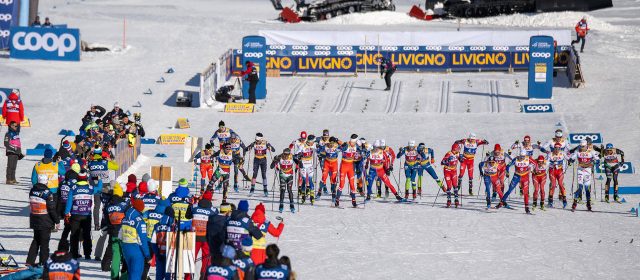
[{"x": 363, "y": 165}]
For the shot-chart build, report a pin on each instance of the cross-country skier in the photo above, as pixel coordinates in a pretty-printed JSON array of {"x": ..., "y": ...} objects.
[
  {"x": 350, "y": 151},
  {"x": 611, "y": 169},
  {"x": 391, "y": 156},
  {"x": 225, "y": 159},
  {"x": 557, "y": 167},
  {"x": 586, "y": 159},
  {"x": 376, "y": 161},
  {"x": 260, "y": 148},
  {"x": 321, "y": 143},
  {"x": 205, "y": 159},
  {"x": 223, "y": 134},
  {"x": 557, "y": 139},
  {"x": 330, "y": 152},
  {"x": 539, "y": 181},
  {"x": 450, "y": 166},
  {"x": 501, "y": 157},
  {"x": 359, "y": 162},
  {"x": 525, "y": 145},
  {"x": 489, "y": 171},
  {"x": 523, "y": 166},
  {"x": 284, "y": 163},
  {"x": 582, "y": 29},
  {"x": 470, "y": 147},
  {"x": 411, "y": 166},
  {"x": 387, "y": 68},
  {"x": 427, "y": 160},
  {"x": 238, "y": 148},
  {"x": 305, "y": 155},
  {"x": 295, "y": 146}
]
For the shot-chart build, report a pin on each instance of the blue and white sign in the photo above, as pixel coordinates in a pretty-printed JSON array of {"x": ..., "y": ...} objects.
[
  {"x": 537, "y": 108},
  {"x": 254, "y": 49},
  {"x": 541, "y": 56},
  {"x": 8, "y": 17},
  {"x": 575, "y": 138},
  {"x": 45, "y": 43},
  {"x": 4, "y": 93},
  {"x": 625, "y": 168}
]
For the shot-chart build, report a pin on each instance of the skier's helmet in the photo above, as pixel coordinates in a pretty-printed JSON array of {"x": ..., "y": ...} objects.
[
  {"x": 559, "y": 133},
  {"x": 527, "y": 138},
  {"x": 376, "y": 144},
  {"x": 523, "y": 153},
  {"x": 455, "y": 147},
  {"x": 497, "y": 147},
  {"x": 303, "y": 135},
  {"x": 583, "y": 143},
  {"x": 609, "y": 146},
  {"x": 472, "y": 136},
  {"x": 540, "y": 158},
  {"x": 412, "y": 143},
  {"x": 383, "y": 143}
]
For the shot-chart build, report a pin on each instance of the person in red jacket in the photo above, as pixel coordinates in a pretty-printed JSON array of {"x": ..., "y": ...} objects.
[
  {"x": 13, "y": 110},
  {"x": 258, "y": 254},
  {"x": 582, "y": 28}
]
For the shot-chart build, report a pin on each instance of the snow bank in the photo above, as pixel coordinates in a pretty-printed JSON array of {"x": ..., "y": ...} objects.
[
  {"x": 373, "y": 18},
  {"x": 557, "y": 19}
]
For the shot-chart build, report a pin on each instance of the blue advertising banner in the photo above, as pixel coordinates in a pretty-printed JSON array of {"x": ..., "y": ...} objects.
[
  {"x": 537, "y": 108},
  {"x": 575, "y": 138},
  {"x": 45, "y": 43},
  {"x": 541, "y": 56},
  {"x": 625, "y": 168},
  {"x": 253, "y": 49},
  {"x": 8, "y": 17},
  {"x": 4, "y": 93}
]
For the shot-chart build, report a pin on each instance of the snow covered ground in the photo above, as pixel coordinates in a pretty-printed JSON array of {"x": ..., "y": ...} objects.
[{"x": 384, "y": 240}]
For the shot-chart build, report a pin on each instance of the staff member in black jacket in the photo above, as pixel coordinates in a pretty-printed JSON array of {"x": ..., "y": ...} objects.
[{"x": 42, "y": 219}]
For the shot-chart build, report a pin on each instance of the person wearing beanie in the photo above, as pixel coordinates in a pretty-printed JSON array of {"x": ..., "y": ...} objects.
[
  {"x": 130, "y": 187},
  {"x": 225, "y": 158},
  {"x": 159, "y": 223},
  {"x": 272, "y": 265},
  {"x": 224, "y": 268},
  {"x": 240, "y": 223},
  {"x": 260, "y": 148},
  {"x": 258, "y": 254},
  {"x": 287, "y": 262},
  {"x": 78, "y": 213},
  {"x": 223, "y": 134},
  {"x": 150, "y": 197},
  {"x": 42, "y": 216},
  {"x": 181, "y": 204},
  {"x": 100, "y": 169},
  {"x": 46, "y": 166},
  {"x": 146, "y": 177},
  {"x": 61, "y": 265},
  {"x": 115, "y": 210},
  {"x": 244, "y": 264},
  {"x": 205, "y": 159},
  {"x": 71, "y": 177},
  {"x": 134, "y": 238},
  {"x": 65, "y": 155},
  {"x": 202, "y": 212},
  {"x": 13, "y": 148},
  {"x": 238, "y": 148},
  {"x": 284, "y": 164}
]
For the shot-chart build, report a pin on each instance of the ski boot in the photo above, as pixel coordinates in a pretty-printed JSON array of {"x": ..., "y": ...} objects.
[
  {"x": 303, "y": 198},
  {"x": 574, "y": 205},
  {"x": 325, "y": 191},
  {"x": 311, "y": 199},
  {"x": 333, "y": 198},
  {"x": 379, "y": 195},
  {"x": 457, "y": 202},
  {"x": 526, "y": 210},
  {"x": 564, "y": 202},
  {"x": 319, "y": 194},
  {"x": 616, "y": 198},
  {"x": 419, "y": 192},
  {"x": 550, "y": 202},
  {"x": 494, "y": 196},
  {"x": 488, "y": 203},
  {"x": 252, "y": 190},
  {"x": 542, "y": 205},
  {"x": 386, "y": 193},
  {"x": 266, "y": 192},
  {"x": 535, "y": 203},
  {"x": 406, "y": 194},
  {"x": 399, "y": 198},
  {"x": 292, "y": 208},
  {"x": 589, "y": 205},
  {"x": 281, "y": 208},
  {"x": 442, "y": 187},
  {"x": 606, "y": 198},
  {"x": 470, "y": 187},
  {"x": 337, "y": 203},
  {"x": 499, "y": 205},
  {"x": 353, "y": 202},
  {"x": 235, "y": 188},
  {"x": 414, "y": 194}
]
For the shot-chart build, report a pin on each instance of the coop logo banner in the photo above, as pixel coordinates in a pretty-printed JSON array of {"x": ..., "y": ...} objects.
[
  {"x": 254, "y": 49},
  {"x": 45, "y": 43},
  {"x": 8, "y": 18},
  {"x": 625, "y": 168},
  {"x": 575, "y": 138},
  {"x": 541, "y": 56},
  {"x": 537, "y": 108}
]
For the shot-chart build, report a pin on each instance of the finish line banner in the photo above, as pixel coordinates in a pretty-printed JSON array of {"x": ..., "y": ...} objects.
[{"x": 324, "y": 59}]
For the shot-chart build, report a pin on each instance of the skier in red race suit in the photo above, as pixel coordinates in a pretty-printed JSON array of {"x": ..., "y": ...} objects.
[
  {"x": 377, "y": 162},
  {"x": 13, "y": 110},
  {"x": 470, "y": 148},
  {"x": 450, "y": 165}
]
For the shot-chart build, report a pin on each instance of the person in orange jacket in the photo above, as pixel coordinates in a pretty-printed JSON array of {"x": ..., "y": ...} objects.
[
  {"x": 12, "y": 109},
  {"x": 258, "y": 254},
  {"x": 582, "y": 28}
]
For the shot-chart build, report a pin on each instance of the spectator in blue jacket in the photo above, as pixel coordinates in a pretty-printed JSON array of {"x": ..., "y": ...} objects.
[
  {"x": 78, "y": 213},
  {"x": 135, "y": 241}
]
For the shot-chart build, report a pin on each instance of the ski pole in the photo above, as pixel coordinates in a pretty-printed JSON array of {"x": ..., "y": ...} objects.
[
  {"x": 438, "y": 194},
  {"x": 573, "y": 173},
  {"x": 480, "y": 177}
]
